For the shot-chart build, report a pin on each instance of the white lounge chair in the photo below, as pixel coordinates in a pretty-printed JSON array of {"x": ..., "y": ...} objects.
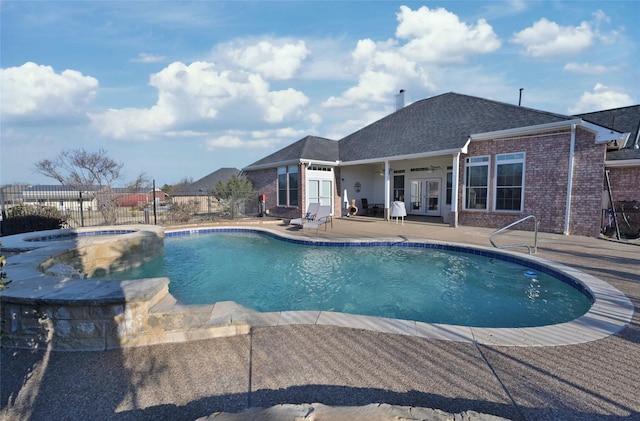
[
  {"x": 322, "y": 218},
  {"x": 312, "y": 210}
]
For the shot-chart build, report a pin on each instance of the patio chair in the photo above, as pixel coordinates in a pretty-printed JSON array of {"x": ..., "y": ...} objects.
[
  {"x": 312, "y": 210},
  {"x": 322, "y": 218},
  {"x": 365, "y": 207},
  {"x": 369, "y": 210}
]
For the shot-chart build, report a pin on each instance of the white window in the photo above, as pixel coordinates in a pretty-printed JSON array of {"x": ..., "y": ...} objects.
[
  {"x": 288, "y": 182},
  {"x": 509, "y": 182},
  {"x": 476, "y": 175}
]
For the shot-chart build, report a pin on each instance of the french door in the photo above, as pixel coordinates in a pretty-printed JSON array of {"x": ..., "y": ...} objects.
[
  {"x": 320, "y": 191},
  {"x": 425, "y": 197}
]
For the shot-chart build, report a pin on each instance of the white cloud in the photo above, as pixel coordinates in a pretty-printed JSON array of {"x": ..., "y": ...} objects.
[
  {"x": 261, "y": 139},
  {"x": 226, "y": 141},
  {"x": 196, "y": 94},
  {"x": 351, "y": 125},
  {"x": 281, "y": 133},
  {"x": 546, "y": 39},
  {"x": 279, "y": 105},
  {"x": 148, "y": 58},
  {"x": 277, "y": 60},
  {"x": 431, "y": 37},
  {"x": 602, "y": 98},
  {"x": 127, "y": 123},
  {"x": 438, "y": 36},
  {"x": 587, "y": 68},
  {"x": 36, "y": 92},
  {"x": 373, "y": 87}
]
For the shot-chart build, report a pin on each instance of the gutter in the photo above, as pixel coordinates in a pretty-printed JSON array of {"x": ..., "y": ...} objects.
[
  {"x": 603, "y": 135},
  {"x": 572, "y": 148},
  {"x": 392, "y": 158},
  {"x": 290, "y": 162},
  {"x": 622, "y": 163}
]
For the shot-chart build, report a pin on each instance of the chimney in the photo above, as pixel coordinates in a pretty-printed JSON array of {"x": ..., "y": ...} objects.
[{"x": 400, "y": 100}]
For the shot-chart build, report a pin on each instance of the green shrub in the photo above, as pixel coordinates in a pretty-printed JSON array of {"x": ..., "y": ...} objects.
[{"x": 26, "y": 218}]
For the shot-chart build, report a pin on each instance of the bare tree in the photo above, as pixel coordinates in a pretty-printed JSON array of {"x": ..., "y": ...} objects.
[
  {"x": 140, "y": 182},
  {"x": 91, "y": 172},
  {"x": 79, "y": 168}
]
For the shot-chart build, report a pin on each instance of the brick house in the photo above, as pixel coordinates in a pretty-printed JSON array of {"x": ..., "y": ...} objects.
[
  {"x": 622, "y": 165},
  {"x": 468, "y": 160}
]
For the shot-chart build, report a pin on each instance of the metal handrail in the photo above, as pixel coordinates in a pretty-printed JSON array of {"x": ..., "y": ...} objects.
[{"x": 536, "y": 224}]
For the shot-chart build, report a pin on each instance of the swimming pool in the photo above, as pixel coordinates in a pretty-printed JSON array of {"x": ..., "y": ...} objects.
[{"x": 411, "y": 281}]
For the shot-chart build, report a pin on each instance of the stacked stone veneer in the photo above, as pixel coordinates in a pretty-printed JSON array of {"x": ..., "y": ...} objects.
[{"x": 50, "y": 304}]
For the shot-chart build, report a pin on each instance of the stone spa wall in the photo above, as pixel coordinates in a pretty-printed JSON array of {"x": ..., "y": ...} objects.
[{"x": 51, "y": 303}]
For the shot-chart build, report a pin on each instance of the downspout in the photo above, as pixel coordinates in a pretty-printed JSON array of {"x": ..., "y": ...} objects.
[
  {"x": 454, "y": 190},
  {"x": 572, "y": 150},
  {"x": 387, "y": 189}
]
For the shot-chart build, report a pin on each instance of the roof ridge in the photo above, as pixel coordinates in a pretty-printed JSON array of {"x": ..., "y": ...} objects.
[
  {"x": 567, "y": 116},
  {"x": 608, "y": 110}
]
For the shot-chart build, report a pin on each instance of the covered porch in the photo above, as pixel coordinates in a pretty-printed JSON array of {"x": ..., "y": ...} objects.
[{"x": 427, "y": 186}]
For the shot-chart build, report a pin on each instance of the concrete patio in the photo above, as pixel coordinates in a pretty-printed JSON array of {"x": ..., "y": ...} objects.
[{"x": 349, "y": 367}]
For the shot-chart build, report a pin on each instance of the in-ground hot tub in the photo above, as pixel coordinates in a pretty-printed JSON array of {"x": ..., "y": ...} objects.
[{"x": 51, "y": 303}]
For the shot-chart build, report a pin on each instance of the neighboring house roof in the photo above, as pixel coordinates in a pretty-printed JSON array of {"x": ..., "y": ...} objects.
[
  {"x": 625, "y": 120},
  {"x": 58, "y": 188},
  {"x": 207, "y": 183},
  {"x": 441, "y": 123},
  {"x": 308, "y": 148},
  {"x": 59, "y": 191}
]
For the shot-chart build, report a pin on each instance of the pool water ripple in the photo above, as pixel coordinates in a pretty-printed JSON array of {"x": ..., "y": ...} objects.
[{"x": 417, "y": 283}]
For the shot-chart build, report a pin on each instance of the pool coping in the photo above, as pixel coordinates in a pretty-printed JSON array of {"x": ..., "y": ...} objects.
[{"x": 610, "y": 313}]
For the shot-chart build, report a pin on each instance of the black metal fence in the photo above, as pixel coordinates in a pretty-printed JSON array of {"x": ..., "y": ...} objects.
[{"x": 121, "y": 205}]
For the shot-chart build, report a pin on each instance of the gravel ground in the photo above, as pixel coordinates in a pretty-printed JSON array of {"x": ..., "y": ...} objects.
[{"x": 347, "y": 367}]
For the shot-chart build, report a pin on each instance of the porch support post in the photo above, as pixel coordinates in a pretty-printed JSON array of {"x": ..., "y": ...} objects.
[
  {"x": 454, "y": 189},
  {"x": 387, "y": 190}
]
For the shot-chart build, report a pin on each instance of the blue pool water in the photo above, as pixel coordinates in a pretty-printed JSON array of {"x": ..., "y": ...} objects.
[{"x": 432, "y": 285}]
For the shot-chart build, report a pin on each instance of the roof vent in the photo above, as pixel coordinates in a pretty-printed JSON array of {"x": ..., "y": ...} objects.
[{"x": 400, "y": 100}]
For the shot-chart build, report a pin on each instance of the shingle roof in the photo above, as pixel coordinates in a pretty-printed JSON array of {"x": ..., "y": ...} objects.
[
  {"x": 624, "y": 120},
  {"x": 309, "y": 147},
  {"x": 435, "y": 124},
  {"x": 207, "y": 183}
]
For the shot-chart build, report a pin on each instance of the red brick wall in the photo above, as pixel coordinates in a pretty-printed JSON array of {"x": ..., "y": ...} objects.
[
  {"x": 625, "y": 183},
  {"x": 588, "y": 178},
  {"x": 266, "y": 182},
  {"x": 546, "y": 174}
]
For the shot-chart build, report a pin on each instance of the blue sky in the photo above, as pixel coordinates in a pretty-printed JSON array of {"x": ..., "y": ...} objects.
[{"x": 177, "y": 90}]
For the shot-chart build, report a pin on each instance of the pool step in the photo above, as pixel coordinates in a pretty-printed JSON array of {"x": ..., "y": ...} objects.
[{"x": 179, "y": 323}]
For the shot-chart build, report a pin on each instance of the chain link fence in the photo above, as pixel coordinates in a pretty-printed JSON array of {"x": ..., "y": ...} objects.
[{"x": 118, "y": 206}]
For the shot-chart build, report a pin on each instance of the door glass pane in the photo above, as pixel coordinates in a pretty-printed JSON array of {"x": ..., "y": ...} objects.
[
  {"x": 314, "y": 191},
  {"x": 326, "y": 193},
  {"x": 433, "y": 193},
  {"x": 398, "y": 188},
  {"x": 416, "y": 195}
]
